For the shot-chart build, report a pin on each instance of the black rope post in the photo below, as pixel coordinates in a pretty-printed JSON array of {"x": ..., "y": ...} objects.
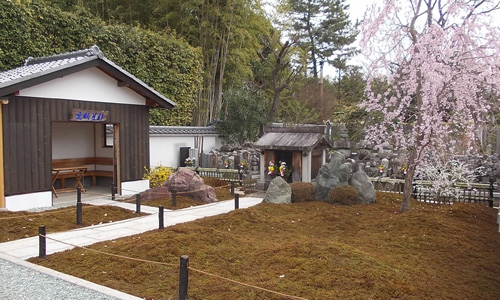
[
  {"x": 160, "y": 217},
  {"x": 183, "y": 278},
  {"x": 174, "y": 198},
  {"x": 138, "y": 203},
  {"x": 42, "y": 242},
  {"x": 490, "y": 201},
  {"x": 79, "y": 207},
  {"x": 113, "y": 191},
  {"x": 232, "y": 187},
  {"x": 236, "y": 201}
]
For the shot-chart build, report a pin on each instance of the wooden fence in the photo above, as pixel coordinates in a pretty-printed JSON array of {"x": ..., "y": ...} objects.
[
  {"x": 230, "y": 175},
  {"x": 475, "y": 192}
]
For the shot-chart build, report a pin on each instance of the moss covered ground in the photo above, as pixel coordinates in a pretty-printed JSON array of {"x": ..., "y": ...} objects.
[
  {"x": 23, "y": 224},
  {"x": 312, "y": 250}
]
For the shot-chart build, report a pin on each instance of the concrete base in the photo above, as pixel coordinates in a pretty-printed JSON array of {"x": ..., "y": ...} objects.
[
  {"x": 134, "y": 187},
  {"x": 28, "y": 201}
]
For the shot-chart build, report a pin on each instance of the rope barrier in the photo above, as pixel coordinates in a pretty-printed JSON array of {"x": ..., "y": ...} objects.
[
  {"x": 111, "y": 254},
  {"x": 35, "y": 214},
  {"x": 177, "y": 266},
  {"x": 178, "y": 193},
  {"x": 107, "y": 195},
  {"x": 247, "y": 285}
]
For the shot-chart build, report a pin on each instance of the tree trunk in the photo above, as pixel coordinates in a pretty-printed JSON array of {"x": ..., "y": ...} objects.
[
  {"x": 276, "y": 100},
  {"x": 408, "y": 190},
  {"x": 222, "y": 67}
]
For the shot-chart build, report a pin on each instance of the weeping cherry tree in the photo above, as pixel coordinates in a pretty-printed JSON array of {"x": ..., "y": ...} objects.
[{"x": 441, "y": 61}]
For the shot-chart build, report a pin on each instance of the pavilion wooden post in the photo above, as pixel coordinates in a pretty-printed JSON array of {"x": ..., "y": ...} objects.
[
  {"x": 116, "y": 158},
  {"x": 2, "y": 181}
]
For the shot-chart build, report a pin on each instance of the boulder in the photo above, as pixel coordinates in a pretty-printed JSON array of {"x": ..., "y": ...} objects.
[
  {"x": 155, "y": 193},
  {"x": 205, "y": 194},
  {"x": 279, "y": 192},
  {"x": 334, "y": 174},
  {"x": 189, "y": 183},
  {"x": 366, "y": 191}
]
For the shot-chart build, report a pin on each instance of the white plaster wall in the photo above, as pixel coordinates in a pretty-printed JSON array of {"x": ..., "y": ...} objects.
[
  {"x": 88, "y": 85},
  {"x": 28, "y": 201},
  {"x": 164, "y": 150},
  {"x": 79, "y": 139},
  {"x": 210, "y": 143},
  {"x": 72, "y": 140}
]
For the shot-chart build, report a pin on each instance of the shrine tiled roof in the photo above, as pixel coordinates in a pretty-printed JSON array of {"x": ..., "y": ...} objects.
[{"x": 303, "y": 138}]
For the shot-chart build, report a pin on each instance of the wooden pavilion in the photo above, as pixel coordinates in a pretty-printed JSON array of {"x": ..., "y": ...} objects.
[{"x": 68, "y": 119}]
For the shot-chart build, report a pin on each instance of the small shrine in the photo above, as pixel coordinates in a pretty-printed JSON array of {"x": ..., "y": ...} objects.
[{"x": 301, "y": 149}]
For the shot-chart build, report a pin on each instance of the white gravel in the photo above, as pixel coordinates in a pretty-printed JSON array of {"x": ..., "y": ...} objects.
[{"x": 18, "y": 282}]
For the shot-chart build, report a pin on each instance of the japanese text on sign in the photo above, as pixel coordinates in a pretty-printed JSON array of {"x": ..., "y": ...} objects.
[{"x": 88, "y": 115}]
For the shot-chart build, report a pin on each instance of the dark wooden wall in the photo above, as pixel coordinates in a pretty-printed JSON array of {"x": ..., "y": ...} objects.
[{"x": 27, "y": 124}]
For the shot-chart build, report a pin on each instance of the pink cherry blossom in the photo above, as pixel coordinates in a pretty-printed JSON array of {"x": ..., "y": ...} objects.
[{"x": 441, "y": 62}]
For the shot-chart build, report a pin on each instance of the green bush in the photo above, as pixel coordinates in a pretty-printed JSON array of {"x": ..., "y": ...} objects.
[
  {"x": 157, "y": 175},
  {"x": 346, "y": 195},
  {"x": 302, "y": 191}
]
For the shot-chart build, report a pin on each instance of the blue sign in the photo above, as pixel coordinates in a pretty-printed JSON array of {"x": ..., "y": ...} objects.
[{"x": 88, "y": 115}]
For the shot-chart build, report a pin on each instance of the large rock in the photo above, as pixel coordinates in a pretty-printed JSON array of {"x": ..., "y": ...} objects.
[
  {"x": 366, "y": 191},
  {"x": 189, "y": 183},
  {"x": 334, "y": 174},
  {"x": 279, "y": 192},
  {"x": 155, "y": 193}
]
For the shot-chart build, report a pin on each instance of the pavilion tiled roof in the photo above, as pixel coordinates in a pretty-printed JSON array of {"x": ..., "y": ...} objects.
[{"x": 39, "y": 70}]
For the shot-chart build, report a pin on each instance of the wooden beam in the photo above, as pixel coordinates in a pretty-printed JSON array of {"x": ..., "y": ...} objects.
[
  {"x": 2, "y": 181},
  {"x": 122, "y": 83},
  {"x": 116, "y": 158}
]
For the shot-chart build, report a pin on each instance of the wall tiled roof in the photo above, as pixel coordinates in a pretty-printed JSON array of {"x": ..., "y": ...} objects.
[{"x": 182, "y": 130}]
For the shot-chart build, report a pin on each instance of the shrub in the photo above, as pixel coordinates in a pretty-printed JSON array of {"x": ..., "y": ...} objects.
[
  {"x": 302, "y": 191},
  {"x": 444, "y": 178},
  {"x": 215, "y": 182},
  {"x": 346, "y": 195},
  {"x": 157, "y": 175}
]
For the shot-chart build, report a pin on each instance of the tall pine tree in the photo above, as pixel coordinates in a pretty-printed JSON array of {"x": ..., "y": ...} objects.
[{"x": 322, "y": 28}]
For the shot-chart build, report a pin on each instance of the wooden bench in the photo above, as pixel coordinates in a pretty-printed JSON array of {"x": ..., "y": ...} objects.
[{"x": 90, "y": 162}]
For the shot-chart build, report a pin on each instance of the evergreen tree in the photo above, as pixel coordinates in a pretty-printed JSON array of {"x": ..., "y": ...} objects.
[
  {"x": 323, "y": 29},
  {"x": 244, "y": 117}
]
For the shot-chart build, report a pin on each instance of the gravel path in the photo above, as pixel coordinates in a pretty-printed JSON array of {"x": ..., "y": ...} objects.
[{"x": 18, "y": 282}]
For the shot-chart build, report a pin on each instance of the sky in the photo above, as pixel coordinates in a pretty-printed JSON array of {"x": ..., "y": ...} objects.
[{"x": 358, "y": 7}]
